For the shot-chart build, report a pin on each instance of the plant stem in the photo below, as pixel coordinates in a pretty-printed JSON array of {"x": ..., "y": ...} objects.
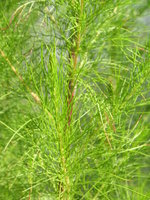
[
  {"x": 65, "y": 189},
  {"x": 74, "y": 57},
  {"x": 35, "y": 96}
]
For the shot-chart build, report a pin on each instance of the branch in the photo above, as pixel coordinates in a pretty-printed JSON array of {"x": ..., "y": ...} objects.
[{"x": 35, "y": 96}]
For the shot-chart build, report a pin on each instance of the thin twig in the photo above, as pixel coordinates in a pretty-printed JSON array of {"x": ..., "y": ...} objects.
[
  {"x": 104, "y": 128},
  {"x": 110, "y": 124},
  {"x": 35, "y": 96},
  {"x": 19, "y": 10}
]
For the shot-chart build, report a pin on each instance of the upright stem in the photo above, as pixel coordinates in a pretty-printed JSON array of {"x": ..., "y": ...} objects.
[
  {"x": 74, "y": 59},
  {"x": 65, "y": 189},
  {"x": 82, "y": 2}
]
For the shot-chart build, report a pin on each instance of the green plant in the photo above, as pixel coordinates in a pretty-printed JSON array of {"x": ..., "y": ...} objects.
[{"x": 74, "y": 100}]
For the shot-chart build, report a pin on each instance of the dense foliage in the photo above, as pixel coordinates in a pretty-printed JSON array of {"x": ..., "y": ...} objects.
[{"x": 74, "y": 99}]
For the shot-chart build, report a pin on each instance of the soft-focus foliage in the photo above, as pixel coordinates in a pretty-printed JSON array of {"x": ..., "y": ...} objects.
[{"x": 74, "y": 99}]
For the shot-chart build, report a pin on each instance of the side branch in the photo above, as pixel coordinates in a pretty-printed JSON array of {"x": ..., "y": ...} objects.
[{"x": 35, "y": 96}]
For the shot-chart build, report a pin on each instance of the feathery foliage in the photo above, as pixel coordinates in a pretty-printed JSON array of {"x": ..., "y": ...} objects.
[{"x": 74, "y": 100}]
